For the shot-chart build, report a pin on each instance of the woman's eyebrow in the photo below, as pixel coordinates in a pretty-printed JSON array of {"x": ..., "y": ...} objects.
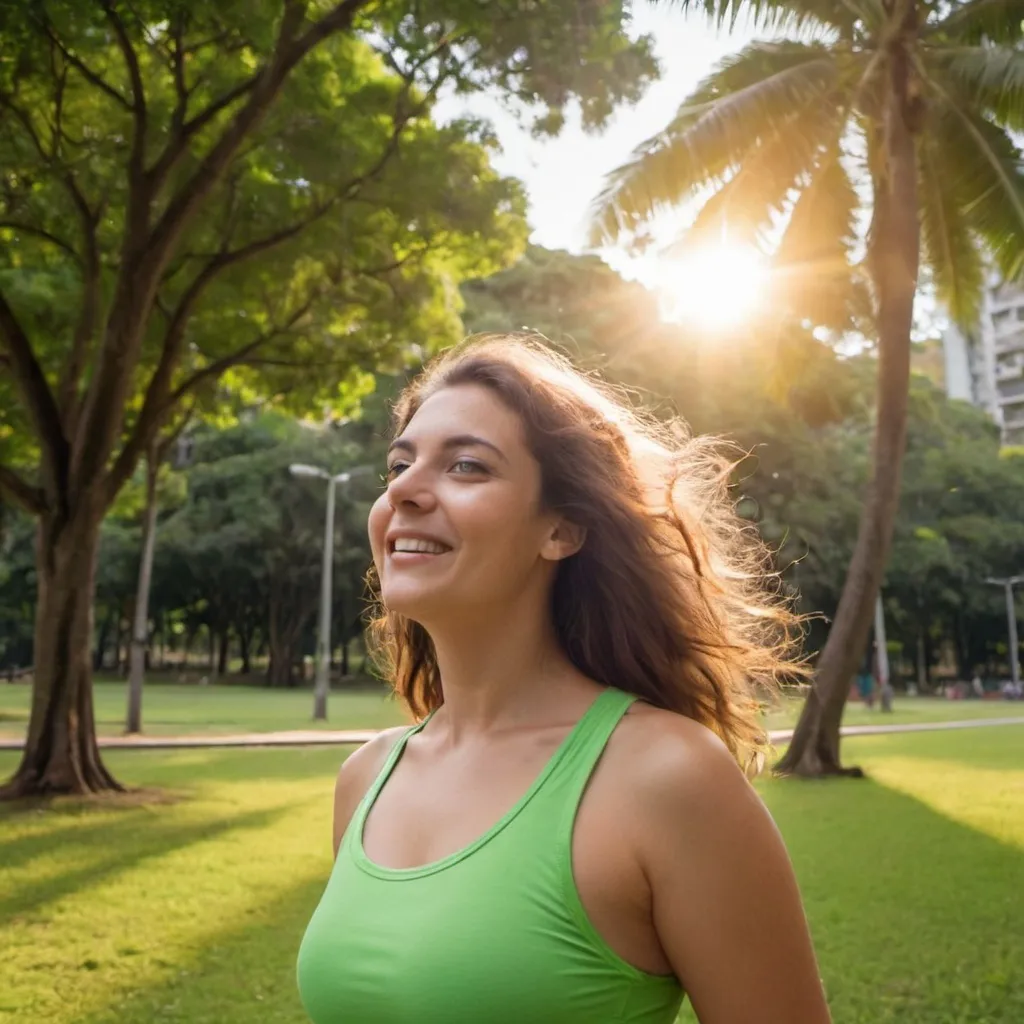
[{"x": 457, "y": 441}]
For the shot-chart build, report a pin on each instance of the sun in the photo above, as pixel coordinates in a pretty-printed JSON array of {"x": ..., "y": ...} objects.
[{"x": 715, "y": 287}]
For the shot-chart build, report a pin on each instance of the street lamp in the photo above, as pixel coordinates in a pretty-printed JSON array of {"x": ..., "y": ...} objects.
[
  {"x": 321, "y": 684},
  {"x": 1011, "y": 621}
]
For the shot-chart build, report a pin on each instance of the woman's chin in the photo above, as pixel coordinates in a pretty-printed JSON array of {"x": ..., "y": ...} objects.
[{"x": 412, "y": 602}]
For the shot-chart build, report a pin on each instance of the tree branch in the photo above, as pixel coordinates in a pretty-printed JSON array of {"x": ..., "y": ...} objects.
[
  {"x": 26, "y": 123},
  {"x": 219, "y": 366},
  {"x": 157, "y": 403},
  {"x": 262, "y": 91},
  {"x": 36, "y": 394},
  {"x": 85, "y": 328},
  {"x": 178, "y": 70},
  {"x": 51, "y": 161},
  {"x": 21, "y": 492},
  {"x": 138, "y": 105},
  {"x": 83, "y": 69},
  {"x": 401, "y": 118},
  {"x": 30, "y": 229},
  {"x": 140, "y": 277},
  {"x": 183, "y": 131}
]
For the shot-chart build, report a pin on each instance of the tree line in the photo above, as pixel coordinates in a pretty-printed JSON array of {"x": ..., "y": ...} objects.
[{"x": 237, "y": 565}]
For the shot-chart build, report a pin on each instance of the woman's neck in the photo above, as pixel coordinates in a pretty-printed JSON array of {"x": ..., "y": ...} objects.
[{"x": 500, "y": 672}]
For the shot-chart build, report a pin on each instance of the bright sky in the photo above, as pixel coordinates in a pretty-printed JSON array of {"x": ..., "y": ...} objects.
[{"x": 563, "y": 175}]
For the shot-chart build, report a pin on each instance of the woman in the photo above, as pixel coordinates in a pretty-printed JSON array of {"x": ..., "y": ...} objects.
[{"x": 581, "y": 625}]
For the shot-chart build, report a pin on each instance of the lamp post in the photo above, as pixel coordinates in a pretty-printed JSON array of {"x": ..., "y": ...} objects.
[
  {"x": 321, "y": 685},
  {"x": 1011, "y": 622},
  {"x": 882, "y": 656}
]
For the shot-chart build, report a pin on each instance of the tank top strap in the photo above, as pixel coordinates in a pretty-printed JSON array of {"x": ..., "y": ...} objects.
[
  {"x": 355, "y": 827},
  {"x": 587, "y": 744}
]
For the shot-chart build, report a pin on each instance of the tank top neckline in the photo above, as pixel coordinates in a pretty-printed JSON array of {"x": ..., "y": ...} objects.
[{"x": 358, "y": 852}]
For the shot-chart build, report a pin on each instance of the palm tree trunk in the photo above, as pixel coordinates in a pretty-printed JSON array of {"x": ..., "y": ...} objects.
[{"x": 894, "y": 259}]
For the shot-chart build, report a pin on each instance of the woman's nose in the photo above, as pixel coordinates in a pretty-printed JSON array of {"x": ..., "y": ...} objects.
[{"x": 412, "y": 489}]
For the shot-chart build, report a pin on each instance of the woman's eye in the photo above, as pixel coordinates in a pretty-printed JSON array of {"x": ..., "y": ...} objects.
[
  {"x": 468, "y": 466},
  {"x": 394, "y": 470}
]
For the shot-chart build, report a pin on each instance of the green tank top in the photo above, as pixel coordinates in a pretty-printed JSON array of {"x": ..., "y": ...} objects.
[{"x": 494, "y": 933}]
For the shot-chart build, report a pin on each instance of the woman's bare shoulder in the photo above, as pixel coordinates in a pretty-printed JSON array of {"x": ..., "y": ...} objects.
[
  {"x": 357, "y": 774},
  {"x": 673, "y": 754},
  {"x": 726, "y": 905}
]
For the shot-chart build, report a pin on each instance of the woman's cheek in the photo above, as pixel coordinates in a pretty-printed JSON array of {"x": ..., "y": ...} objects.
[{"x": 377, "y": 527}]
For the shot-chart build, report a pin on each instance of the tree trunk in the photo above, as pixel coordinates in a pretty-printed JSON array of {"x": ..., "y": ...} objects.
[
  {"x": 118, "y": 636},
  {"x": 894, "y": 259},
  {"x": 61, "y": 754},
  {"x": 223, "y": 647},
  {"x": 211, "y": 648},
  {"x": 922, "y": 663},
  {"x": 190, "y": 639},
  {"x": 100, "y": 654},
  {"x": 244, "y": 638},
  {"x": 140, "y": 625}
]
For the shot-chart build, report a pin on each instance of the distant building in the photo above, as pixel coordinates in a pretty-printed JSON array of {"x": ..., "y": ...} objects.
[{"x": 986, "y": 367}]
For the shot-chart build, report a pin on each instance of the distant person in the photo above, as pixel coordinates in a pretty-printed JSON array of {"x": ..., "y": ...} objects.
[
  {"x": 579, "y": 622},
  {"x": 866, "y": 688},
  {"x": 977, "y": 686}
]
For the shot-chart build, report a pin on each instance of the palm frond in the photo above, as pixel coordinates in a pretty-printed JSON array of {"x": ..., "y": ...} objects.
[
  {"x": 949, "y": 246},
  {"x": 740, "y": 103},
  {"x": 812, "y": 267},
  {"x": 985, "y": 164},
  {"x": 744, "y": 205},
  {"x": 974, "y": 21},
  {"x": 991, "y": 77},
  {"x": 788, "y": 16}
]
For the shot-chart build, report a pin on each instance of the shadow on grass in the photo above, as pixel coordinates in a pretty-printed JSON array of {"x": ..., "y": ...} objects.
[
  {"x": 243, "y": 973},
  {"x": 39, "y": 841},
  {"x": 120, "y": 846},
  {"x": 916, "y": 917}
]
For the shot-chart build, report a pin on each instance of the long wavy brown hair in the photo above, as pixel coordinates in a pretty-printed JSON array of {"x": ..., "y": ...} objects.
[{"x": 672, "y": 596}]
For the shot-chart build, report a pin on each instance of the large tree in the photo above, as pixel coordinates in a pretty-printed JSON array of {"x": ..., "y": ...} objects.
[
  {"x": 902, "y": 108},
  {"x": 234, "y": 196}
]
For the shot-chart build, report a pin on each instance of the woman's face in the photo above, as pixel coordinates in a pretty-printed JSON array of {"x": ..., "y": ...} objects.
[{"x": 459, "y": 529}]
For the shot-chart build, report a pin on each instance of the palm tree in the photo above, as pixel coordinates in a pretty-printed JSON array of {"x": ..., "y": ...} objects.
[{"x": 902, "y": 110}]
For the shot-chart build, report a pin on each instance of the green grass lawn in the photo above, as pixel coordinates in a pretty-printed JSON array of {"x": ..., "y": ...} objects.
[
  {"x": 192, "y": 911},
  {"x": 907, "y": 711},
  {"x": 170, "y": 709},
  {"x": 173, "y": 709}
]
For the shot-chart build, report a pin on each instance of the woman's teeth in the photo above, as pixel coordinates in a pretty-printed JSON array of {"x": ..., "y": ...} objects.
[{"x": 414, "y": 544}]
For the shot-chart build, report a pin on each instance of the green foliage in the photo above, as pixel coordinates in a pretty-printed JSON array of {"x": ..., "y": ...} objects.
[
  {"x": 244, "y": 554},
  {"x": 209, "y": 204}
]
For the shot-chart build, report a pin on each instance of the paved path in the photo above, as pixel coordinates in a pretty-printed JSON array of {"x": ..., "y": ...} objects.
[{"x": 325, "y": 738}]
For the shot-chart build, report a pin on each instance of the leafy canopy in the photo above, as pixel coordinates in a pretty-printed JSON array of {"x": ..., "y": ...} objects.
[{"x": 207, "y": 203}]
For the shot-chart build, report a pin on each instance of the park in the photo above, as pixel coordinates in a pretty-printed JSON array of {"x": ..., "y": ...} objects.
[{"x": 230, "y": 234}]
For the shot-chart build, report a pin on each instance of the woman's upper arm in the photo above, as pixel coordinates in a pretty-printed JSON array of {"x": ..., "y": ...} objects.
[
  {"x": 726, "y": 905},
  {"x": 356, "y": 775}
]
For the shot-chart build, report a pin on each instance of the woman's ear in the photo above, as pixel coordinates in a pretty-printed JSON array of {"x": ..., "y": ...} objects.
[{"x": 564, "y": 540}]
